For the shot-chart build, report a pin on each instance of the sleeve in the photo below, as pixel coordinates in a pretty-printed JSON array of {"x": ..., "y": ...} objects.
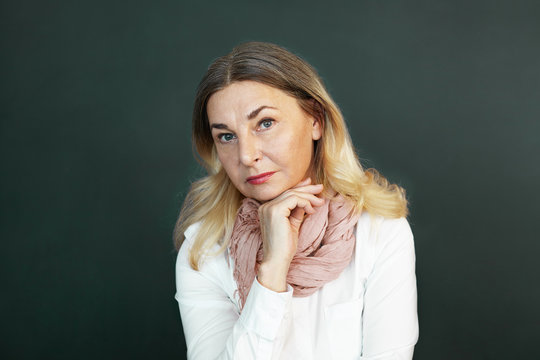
[
  {"x": 390, "y": 320},
  {"x": 212, "y": 325}
]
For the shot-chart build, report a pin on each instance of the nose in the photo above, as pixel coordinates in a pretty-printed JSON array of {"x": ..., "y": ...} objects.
[{"x": 249, "y": 150}]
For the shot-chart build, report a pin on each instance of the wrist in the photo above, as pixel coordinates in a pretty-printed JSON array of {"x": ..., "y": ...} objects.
[{"x": 273, "y": 276}]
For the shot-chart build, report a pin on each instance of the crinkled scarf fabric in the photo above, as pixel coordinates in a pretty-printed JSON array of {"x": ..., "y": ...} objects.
[{"x": 325, "y": 246}]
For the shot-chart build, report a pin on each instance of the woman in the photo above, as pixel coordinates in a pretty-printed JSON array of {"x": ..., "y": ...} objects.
[{"x": 288, "y": 249}]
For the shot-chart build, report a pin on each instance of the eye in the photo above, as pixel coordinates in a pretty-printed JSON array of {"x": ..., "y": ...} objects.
[
  {"x": 266, "y": 123},
  {"x": 225, "y": 138}
]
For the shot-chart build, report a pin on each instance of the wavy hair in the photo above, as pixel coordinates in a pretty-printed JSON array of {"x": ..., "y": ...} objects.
[{"x": 214, "y": 201}]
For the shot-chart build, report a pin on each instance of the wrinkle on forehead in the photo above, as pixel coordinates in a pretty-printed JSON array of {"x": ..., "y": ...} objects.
[{"x": 232, "y": 103}]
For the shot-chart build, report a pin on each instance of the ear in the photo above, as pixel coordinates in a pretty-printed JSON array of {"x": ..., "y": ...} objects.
[
  {"x": 316, "y": 132},
  {"x": 318, "y": 119}
]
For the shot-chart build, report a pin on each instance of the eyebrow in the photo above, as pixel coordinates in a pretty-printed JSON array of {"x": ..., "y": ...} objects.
[
  {"x": 219, "y": 126},
  {"x": 250, "y": 116},
  {"x": 258, "y": 110}
]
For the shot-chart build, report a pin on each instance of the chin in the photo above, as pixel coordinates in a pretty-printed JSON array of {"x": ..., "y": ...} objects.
[{"x": 263, "y": 195}]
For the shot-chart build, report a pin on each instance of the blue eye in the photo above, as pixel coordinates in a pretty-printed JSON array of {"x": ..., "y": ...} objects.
[
  {"x": 266, "y": 123},
  {"x": 226, "y": 137}
]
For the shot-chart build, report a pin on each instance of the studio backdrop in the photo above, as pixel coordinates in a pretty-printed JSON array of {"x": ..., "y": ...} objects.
[{"x": 443, "y": 97}]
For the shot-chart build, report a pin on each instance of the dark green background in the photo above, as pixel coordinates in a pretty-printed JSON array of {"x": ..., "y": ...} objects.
[{"x": 443, "y": 97}]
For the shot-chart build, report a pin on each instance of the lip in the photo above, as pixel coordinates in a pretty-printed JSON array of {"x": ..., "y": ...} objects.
[{"x": 260, "y": 179}]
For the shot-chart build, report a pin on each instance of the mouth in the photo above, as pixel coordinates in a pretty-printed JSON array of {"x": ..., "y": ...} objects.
[{"x": 260, "y": 179}]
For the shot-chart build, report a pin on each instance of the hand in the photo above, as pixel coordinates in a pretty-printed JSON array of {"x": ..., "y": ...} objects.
[{"x": 280, "y": 220}]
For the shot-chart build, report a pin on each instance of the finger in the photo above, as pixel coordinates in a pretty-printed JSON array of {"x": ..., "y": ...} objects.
[
  {"x": 304, "y": 182},
  {"x": 311, "y": 194},
  {"x": 304, "y": 202},
  {"x": 306, "y": 189},
  {"x": 287, "y": 202},
  {"x": 312, "y": 189},
  {"x": 297, "y": 217},
  {"x": 292, "y": 199}
]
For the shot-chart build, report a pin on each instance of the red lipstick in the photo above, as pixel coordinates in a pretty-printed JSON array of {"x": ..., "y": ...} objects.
[{"x": 260, "y": 179}]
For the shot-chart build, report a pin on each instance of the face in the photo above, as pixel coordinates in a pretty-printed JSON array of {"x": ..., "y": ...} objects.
[{"x": 263, "y": 138}]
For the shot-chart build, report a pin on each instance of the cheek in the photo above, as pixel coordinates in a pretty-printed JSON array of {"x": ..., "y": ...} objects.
[
  {"x": 226, "y": 161},
  {"x": 301, "y": 143},
  {"x": 292, "y": 149},
  {"x": 234, "y": 173}
]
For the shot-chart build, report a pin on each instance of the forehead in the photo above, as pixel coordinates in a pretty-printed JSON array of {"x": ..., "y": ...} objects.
[{"x": 240, "y": 98}]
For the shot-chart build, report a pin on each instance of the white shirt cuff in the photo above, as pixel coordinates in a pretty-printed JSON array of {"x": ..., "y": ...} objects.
[{"x": 264, "y": 310}]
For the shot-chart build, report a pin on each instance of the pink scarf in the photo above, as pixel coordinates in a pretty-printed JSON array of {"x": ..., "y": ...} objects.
[{"x": 325, "y": 246}]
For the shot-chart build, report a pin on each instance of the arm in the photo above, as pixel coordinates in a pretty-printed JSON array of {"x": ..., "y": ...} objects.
[
  {"x": 212, "y": 326},
  {"x": 390, "y": 321}
]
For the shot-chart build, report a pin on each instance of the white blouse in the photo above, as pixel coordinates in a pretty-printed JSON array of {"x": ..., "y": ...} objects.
[{"x": 368, "y": 313}]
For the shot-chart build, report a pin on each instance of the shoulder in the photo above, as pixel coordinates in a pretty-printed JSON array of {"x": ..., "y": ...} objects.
[
  {"x": 182, "y": 258},
  {"x": 189, "y": 238},
  {"x": 379, "y": 239},
  {"x": 382, "y": 231},
  {"x": 213, "y": 268},
  {"x": 213, "y": 253}
]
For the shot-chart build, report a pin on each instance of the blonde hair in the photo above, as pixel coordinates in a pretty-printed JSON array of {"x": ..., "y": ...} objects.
[{"x": 214, "y": 201}]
